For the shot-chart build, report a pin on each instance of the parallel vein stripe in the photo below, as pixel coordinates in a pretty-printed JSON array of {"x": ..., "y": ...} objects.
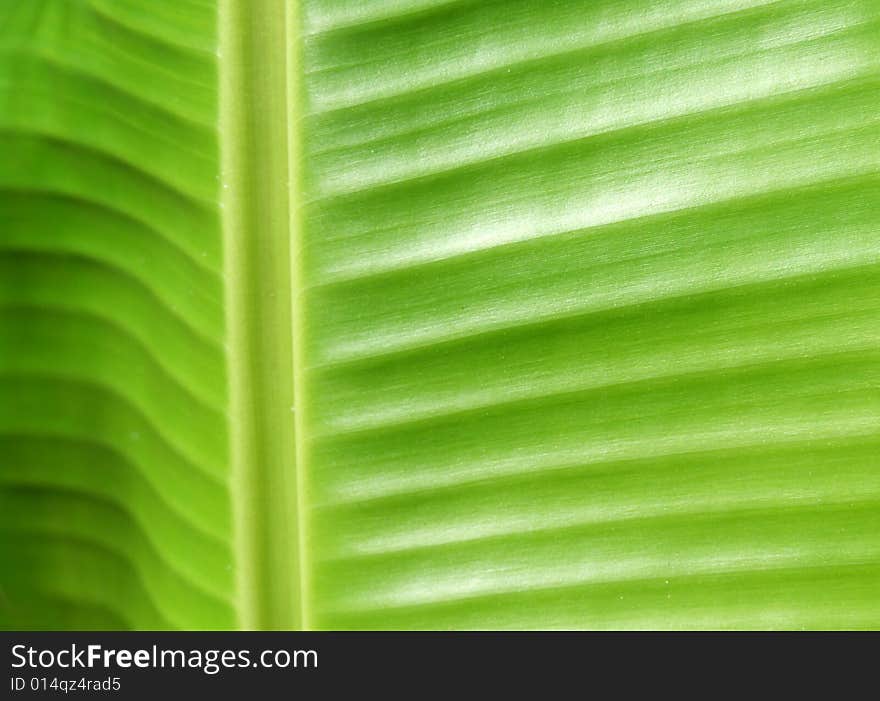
[
  {"x": 84, "y": 551},
  {"x": 584, "y": 391},
  {"x": 209, "y": 588},
  {"x": 102, "y": 9},
  {"x": 600, "y": 220},
  {"x": 143, "y": 573},
  {"x": 352, "y": 127},
  {"x": 93, "y": 150},
  {"x": 144, "y": 227},
  {"x": 188, "y": 455},
  {"x": 166, "y": 307},
  {"x": 464, "y": 70},
  {"x": 103, "y": 81},
  {"x": 498, "y": 160},
  {"x": 465, "y": 334},
  {"x": 165, "y": 375},
  {"x": 394, "y": 485},
  {"x": 101, "y": 449},
  {"x": 753, "y": 569},
  {"x": 366, "y": 173}
]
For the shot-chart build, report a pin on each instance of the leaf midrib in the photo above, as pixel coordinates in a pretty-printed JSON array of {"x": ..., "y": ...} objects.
[{"x": 256, "y": 60}]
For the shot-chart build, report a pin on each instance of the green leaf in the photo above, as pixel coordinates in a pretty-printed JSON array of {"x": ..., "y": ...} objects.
[{"x": 439, "y": 314}]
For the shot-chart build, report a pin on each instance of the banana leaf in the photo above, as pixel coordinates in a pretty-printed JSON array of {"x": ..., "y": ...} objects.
[{"x": 346, "y": 314}]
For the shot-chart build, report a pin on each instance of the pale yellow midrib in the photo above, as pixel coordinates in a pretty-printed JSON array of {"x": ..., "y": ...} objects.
[{"x": 253, "y": 78}]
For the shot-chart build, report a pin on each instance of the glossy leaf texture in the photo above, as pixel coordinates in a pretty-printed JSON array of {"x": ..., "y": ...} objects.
[{"x": 580, "y": 301}]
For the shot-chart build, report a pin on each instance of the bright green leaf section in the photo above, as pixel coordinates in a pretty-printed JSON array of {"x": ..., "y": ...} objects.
[
  {"x": 115, "y": 507},
  {"x": 440, "y": 313}
]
